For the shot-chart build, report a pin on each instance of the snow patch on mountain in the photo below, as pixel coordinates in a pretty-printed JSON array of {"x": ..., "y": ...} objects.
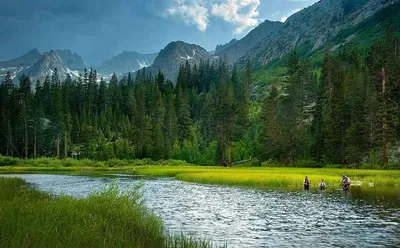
[
  {"x": 143, "y": 63},
  {"x": 188, "y": 57},
  {"x": 73, "y": 73}
]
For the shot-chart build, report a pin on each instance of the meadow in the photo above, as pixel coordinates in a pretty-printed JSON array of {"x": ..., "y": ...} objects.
[
  {"x": 273, "y": 177},
  {"x": 254, "y": 177},
  {"x": 107, "y": 218}
]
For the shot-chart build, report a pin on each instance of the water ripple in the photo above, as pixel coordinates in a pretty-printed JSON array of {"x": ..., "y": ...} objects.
[{"x": 254, "y": 218}]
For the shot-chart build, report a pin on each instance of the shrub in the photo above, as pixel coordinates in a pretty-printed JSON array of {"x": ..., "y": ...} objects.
[
  {"x": 334, "y": 166},
  {"x": 99, "y": 164},
  {"x": 8, "y": 161},
  {"x": 148, "y": 161},
  {"x": 86, "y": 163},
  {"x": 115, "y": 163},
  {"x": 173, "y": 162},
  {"x": 44, "y": 162},
  {"x": 369, "y": 166},
  {"x": 272, "y": 163},
  {"x": 307, "y": 164},
  {"x": 69, "y": 162}
]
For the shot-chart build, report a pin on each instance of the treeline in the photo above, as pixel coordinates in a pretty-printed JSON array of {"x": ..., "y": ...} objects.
[
  {"x": 346, "y": 113},
  {"x": 349, "y": 116},
  {"x": 197, "y": 120}
]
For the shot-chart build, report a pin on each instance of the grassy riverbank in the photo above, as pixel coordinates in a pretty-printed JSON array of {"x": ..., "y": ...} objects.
[
  {"x": 266, "y": 178},
  {"x": 110, "y": 218},
  {"x": 255, "y": 177}
]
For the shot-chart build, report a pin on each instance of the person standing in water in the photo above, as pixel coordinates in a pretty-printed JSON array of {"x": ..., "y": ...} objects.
[
  {"x": 322, "y": 185},
  {"x": 345, "y": 182},
  {"x": 306, "y": 183}
]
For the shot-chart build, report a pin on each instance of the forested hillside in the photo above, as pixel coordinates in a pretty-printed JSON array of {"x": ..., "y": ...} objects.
[{"x": 347, "y": 115}]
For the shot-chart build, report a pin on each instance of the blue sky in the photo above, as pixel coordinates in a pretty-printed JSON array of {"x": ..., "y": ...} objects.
[{"x": 100, "y": 29}]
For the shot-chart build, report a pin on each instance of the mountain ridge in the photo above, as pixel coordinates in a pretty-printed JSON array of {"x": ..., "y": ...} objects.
[
  {"x": 235, "y": 50},
  {"x": 314, "y": 26},
  {"x": 127, "y": 61},
  {"x": 175, "y": 54}
]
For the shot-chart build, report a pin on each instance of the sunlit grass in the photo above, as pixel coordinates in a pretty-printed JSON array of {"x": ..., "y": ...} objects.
[
  {"x": 256, "y": 177},
  {"x": 272, "y": 177}
]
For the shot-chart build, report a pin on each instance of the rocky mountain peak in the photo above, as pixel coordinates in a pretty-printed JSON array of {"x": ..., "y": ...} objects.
[
  {"x": 24, "y": 60},
  {"x": 127, "y": 61},
  {"x": 313, "y": 26},
  {"x": 236, "y": 49},
  {"x": 71, "y": 60},
  {"x": 175, "y": 54}
]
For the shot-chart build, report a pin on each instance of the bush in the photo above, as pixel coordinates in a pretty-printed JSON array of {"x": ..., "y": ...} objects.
[
  {"x": 334, "y": 166},
  {"x": 99, "y": 164},
  {"x": 44, "y": 162},
  {"x": 369, "y": 166},
  {"x": 8, "y": 161},
  {"x": 307, "y": 164},
  {"x": 68, "y": 162},
  {"x": 272, "y": 163},
  {"x": 173, "y": 162},
  {"x": 116, "y": 163},
  {"x": 86, "y": 163},
  {"x": 148, "y": 161}
]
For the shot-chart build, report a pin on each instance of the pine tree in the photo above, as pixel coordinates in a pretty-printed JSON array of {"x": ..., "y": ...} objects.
[
  {"x": 226, "y": 119},
  {"x": 38, "y": 121},
  {"x": 170, "y": 125},
  {"x": 271, "y": 138},
  {"x": 183, "y": 114},
  {"x": 7, "y": 89},
  {"x": 25, "y": 101},
  {"x": 56, "y": 116}
]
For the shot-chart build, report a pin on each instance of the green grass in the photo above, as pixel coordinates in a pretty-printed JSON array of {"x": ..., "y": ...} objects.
[
  {"x": 69, "y": 162},
  {"x": 256, "y": 177},
  {"x": 272, "y": 178},
  {"x": 108, "y": 218}
]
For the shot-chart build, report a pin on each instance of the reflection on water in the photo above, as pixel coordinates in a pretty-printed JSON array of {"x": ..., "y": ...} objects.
[{"x": 255, "y": 218}]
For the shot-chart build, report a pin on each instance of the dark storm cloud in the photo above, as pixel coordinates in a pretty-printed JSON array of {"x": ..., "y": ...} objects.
[{"x": 87, "y": 27}]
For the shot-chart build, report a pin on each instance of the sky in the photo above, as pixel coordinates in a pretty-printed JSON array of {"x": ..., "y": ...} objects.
[{"x": 100, "y": 29}]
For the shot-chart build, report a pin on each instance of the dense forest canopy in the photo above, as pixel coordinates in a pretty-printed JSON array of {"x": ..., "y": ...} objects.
[{"x": 349, "y": 114}]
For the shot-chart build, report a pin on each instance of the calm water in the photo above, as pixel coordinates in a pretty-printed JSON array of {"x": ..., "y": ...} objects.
[{"x": 255, "y": 218}]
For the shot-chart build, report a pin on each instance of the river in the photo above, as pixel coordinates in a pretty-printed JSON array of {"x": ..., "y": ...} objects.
[{"x": 254, "y": 218}]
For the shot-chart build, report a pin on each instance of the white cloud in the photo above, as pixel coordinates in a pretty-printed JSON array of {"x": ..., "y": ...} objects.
[
  {"x": 191, "y": 12},
  {"x": 243, "y": 14},
  {"x": 230, "y": 11},
  {"x": 286, "y": 16}
]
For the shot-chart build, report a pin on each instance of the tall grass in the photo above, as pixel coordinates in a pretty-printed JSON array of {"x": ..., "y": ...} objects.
[
  {"x": 272, "y": 178},
  {"x": 108, "y": 218},
  {"x": 69, "y": 162}
]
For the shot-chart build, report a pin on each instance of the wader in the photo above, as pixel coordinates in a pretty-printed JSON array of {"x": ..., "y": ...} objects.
[{"x": 306, "y": 184}]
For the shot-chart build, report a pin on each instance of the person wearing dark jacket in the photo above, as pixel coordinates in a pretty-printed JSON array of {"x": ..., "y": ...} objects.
[
  {"x": 306, "y": 183},
  {"x": 345, "y": 182}
]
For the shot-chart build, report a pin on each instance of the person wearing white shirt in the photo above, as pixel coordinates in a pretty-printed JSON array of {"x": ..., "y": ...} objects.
[{"x": 322, "y": 185}]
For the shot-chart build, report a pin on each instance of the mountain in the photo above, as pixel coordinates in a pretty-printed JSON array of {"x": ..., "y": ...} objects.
[
  {"x": 236, "y": 49},
  {"x": 220, "y": 48},
  {"x": 175, "y": 54},
  {"x": 19, "y": 64},
  {"x": 311, "y": 28},
  {"x": 38, "y": 65},
  {"x": 45, "y": 66},
  {"x": 71, "y": 60},
  {"x": 24, "y": 60},
  {"x": 127, "y": 62}
]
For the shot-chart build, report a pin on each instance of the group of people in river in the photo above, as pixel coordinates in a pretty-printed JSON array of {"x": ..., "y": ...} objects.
[{"x": 345, "y": 181}]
